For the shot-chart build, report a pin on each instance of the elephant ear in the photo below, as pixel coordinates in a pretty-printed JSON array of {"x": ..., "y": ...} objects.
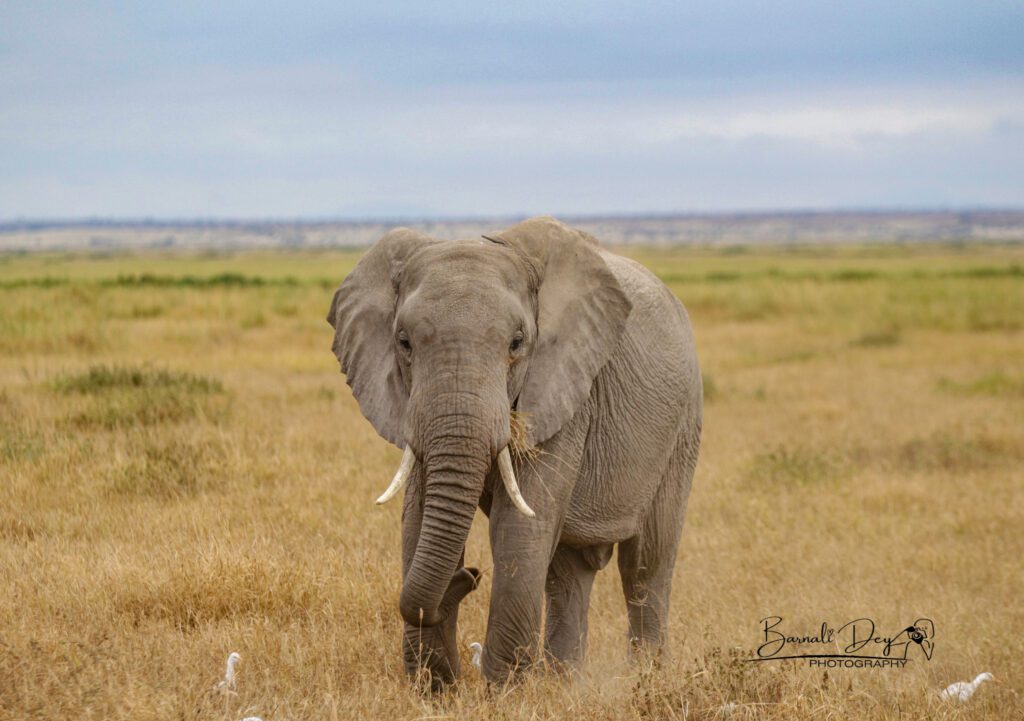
[
  {"x": 362, "y": 314},
  {"x": 581, "y": 314}
]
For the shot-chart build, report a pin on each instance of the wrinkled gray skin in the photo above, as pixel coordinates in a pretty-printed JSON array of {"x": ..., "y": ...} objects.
[{"x": 606, "y": 375}]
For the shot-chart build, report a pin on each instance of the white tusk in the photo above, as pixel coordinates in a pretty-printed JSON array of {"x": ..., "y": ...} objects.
[
  {"x": 508, "y": 477},
  {"x": 401, "y": 476}
]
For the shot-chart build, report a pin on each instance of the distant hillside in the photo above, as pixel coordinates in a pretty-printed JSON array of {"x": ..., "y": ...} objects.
[{"x": 712, "y": 230}]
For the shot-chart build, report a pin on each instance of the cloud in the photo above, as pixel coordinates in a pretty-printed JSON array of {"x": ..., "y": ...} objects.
[{"x": 357, "y": 108}]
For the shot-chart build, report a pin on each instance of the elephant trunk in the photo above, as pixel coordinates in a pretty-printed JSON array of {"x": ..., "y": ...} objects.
[{"x": 456, "y": 453}]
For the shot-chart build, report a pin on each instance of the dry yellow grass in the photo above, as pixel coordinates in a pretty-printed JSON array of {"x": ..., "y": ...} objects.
[{"x": 183, "y": 474}]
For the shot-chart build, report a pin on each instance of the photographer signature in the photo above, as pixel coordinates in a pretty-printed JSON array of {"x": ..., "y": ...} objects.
[{"x": 858, "y": 638}]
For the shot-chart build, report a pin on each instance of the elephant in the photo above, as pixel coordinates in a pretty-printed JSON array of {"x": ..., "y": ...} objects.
[{"x": 554, "y": 385}]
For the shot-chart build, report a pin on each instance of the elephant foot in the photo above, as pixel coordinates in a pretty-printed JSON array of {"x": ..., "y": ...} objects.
[
  {"x": 501, "y": 671},
  {"x": 431, "y": 653}
]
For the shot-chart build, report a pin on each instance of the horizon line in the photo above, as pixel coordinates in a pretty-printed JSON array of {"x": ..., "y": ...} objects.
[{"x": 194, "y": 220}]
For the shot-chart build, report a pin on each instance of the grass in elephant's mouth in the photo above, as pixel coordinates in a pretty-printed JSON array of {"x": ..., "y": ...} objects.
[
  {"x": 519, "y": 444},
  {"x": 183, "y": 474}
]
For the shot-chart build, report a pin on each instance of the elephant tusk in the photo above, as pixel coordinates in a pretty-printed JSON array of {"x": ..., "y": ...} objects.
[
  {"x": 508, "y": 477},
  {"x": 401, "y": 476}
]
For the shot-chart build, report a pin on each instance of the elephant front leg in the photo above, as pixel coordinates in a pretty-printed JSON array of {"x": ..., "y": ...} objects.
[
  {"x": 517, "y": 601},
  {"x": 522, "y": 550}
]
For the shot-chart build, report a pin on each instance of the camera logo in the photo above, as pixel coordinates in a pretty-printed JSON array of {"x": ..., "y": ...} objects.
[{"x": 921, "y": 633}]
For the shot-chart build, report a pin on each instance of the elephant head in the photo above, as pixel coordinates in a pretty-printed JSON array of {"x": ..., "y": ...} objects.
[{"x": 441, "y": 341}]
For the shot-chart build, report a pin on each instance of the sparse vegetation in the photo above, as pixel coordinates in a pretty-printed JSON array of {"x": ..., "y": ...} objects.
[
  {"x": 183, "y": 473},
  {"x": 881, "y": 338},
  {"x": 225, "y": 280},
  {"x": 101, "y": 378},
  {"x": 956, "y": 452},
  {"x": 169, "y": 469},
  {"x": 786, "y": 467},
  {"x": 122, "y": 396},
  {"x": 998, "y": 384}
]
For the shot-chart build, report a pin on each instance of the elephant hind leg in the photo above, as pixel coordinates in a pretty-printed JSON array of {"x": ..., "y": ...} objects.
[
  {"x": 647, "y": 560},
  {"x": 569, "y": 581}
]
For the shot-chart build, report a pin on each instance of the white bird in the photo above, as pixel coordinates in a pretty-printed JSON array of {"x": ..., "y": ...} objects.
[
  {"x": 227, "y": 685},
  {"x": 963, "y": 690},
  {"x": 478, "y": 652}
]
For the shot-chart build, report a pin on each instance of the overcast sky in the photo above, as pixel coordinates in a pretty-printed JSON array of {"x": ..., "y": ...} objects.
[{"x": 363, "y": 109}]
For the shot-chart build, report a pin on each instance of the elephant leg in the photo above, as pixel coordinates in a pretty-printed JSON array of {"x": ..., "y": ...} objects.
[
  {"x": 522, "y": 550},
  {"x": 521, "y": 554},
  {"x": 434, "y": 650},
  {"x": 430, "y": 653},
  {"x": 647, "y": 560},
  {"x": 570, "y": 579}
]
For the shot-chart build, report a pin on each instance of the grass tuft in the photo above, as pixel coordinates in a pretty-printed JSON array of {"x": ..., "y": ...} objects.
[
  {"x": 955, "y": 452},
  {"x": 169, "y": 469},
  {"x": 878, "y": 339},
  {"x": 220, "y": 280},
  {"x": 792, "y": 466},
  {"x": 996, "y": 384},
  {"x": 214, "y": 589},
  {"x": 101, "y": 378},
  {"x": 127, "y": 396},
  {"x": 16, "y": 530}
]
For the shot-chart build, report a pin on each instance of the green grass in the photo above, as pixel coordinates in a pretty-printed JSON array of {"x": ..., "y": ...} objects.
[
  {"x": 785, "y": 466},
  {"x": 882, "y": 338},
  {"x": 102, "y": 378},
  {"x": 122, "y": 396},
  {"x": 998, "y": 384}
]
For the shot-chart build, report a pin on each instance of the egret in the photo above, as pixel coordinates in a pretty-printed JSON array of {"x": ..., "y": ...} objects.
[
  {"x": 963, "y": 690},
  {"x": 227, "y": 684},
  {"x": 478, "y": 651}
]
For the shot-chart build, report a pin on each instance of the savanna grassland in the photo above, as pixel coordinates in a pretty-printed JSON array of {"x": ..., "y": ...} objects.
[{"x": 183, "y": 473}]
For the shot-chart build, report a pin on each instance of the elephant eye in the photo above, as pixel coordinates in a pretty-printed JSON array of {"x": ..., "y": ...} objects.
[
  {"x": 403, "y": 340},
  {"x": 517, "y": 341}
]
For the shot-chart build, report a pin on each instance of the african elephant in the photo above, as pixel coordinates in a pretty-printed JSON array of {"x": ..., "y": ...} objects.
[{"x": 551, "y": 383}]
